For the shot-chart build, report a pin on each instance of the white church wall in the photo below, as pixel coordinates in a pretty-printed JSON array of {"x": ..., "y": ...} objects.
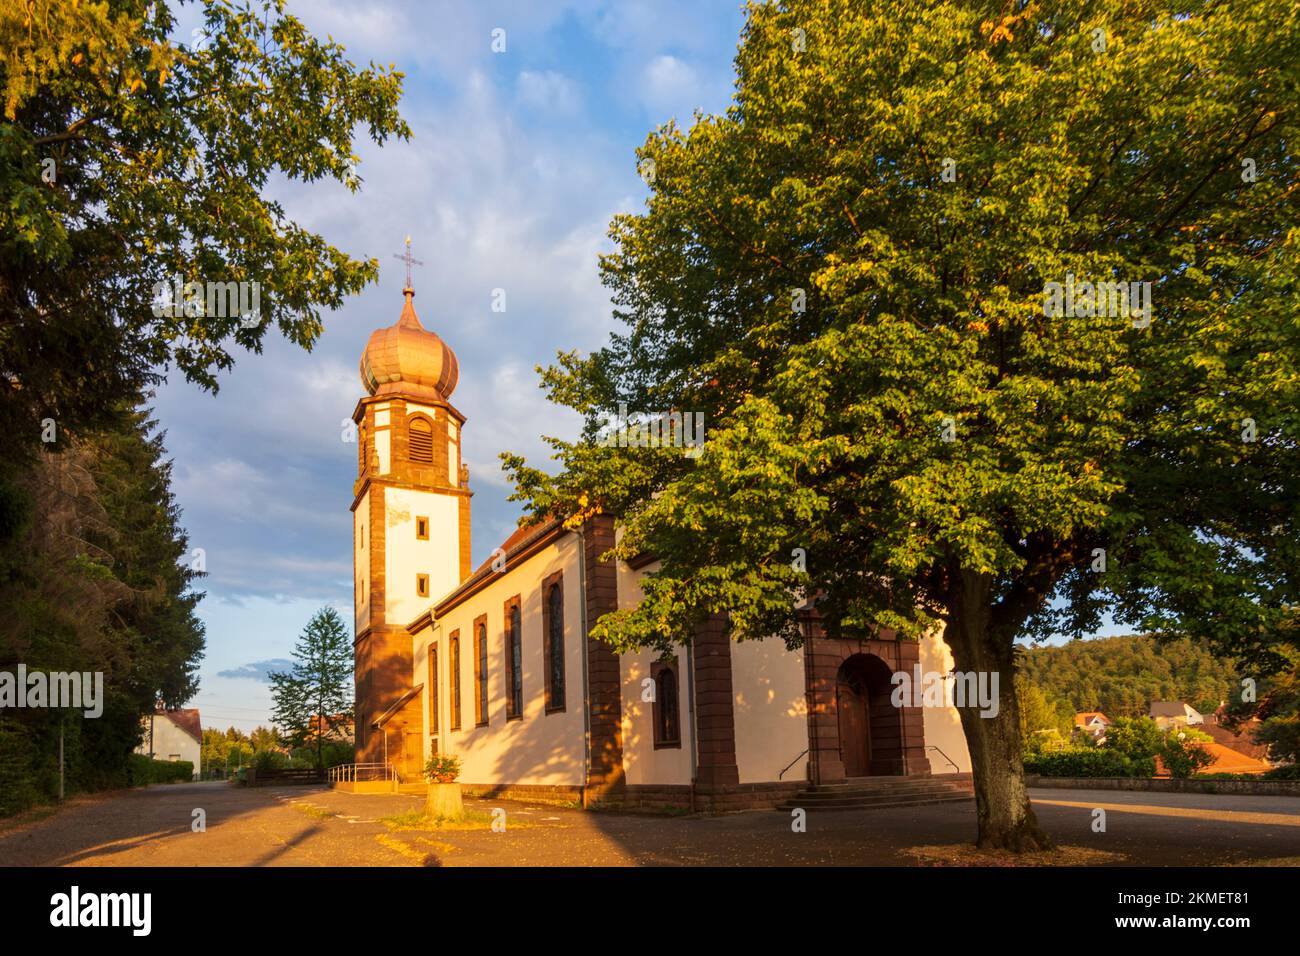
[
  {"x": 407, "y": 556},
  {"x": 642, "y": 763},
  {"x": 942, "y": 724},
  {"x": 771, "y": 711},
  {"x": 539, "y": 748}
]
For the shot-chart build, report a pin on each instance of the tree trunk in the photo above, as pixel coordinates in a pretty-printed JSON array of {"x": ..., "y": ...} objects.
[{"x": 1005, "y": 817}]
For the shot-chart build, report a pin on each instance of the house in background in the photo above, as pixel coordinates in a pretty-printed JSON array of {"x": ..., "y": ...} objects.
[
  {"x": 1170, "y": 713},
  {"x": 338, "y": 728},
  {"x": 1093, "y": 723},
  {"x": 173, "y": 735}
]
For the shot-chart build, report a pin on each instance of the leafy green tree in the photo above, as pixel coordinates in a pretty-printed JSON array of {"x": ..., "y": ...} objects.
[
  {"x": 848, "y": 275},
  {"x": 265, "y": 738},
  {"x": 1136, "y": 738},
  {"x": 319, "y": 684},
  {"x": 127, "y": 159},
  {"x": 1181, "y": 753},
  {"x": 1276, "y": 703},
  {"x": 1040, "y": 719}
]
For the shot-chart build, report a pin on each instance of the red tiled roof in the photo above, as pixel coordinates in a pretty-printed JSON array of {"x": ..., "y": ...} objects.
[
  {"x": 1239, "y": 740},
  {"x": 187, "y": 719},
  {"x": 1227, "y": 760}
]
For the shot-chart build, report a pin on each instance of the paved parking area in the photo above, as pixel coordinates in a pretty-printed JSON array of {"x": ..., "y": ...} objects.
[{"x": 312, "y": 826}]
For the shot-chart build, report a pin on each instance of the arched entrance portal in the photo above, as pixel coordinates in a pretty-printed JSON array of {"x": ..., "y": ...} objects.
[{"x": 870, "y": 726}]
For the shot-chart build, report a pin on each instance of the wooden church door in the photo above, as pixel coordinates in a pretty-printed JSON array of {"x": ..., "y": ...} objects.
[{"x": 855, "y": 728}]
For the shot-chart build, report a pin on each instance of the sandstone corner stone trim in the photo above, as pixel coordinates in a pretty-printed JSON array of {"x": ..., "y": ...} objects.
[{"x": 604, "y": 692}]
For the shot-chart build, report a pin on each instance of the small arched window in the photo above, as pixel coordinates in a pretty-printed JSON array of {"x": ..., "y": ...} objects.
[{"x": 419, "y": 435}]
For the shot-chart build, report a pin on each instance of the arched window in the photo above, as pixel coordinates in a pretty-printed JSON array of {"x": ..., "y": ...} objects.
[
  {"x": 555, "y": 647},
  {"x": 481, "y": 673},
  {"x": 419, "y": 436},
  {"x": 455, "y": 680},
  {"x": 667, "y": 728},
  {"x": 514, "y": 661}
]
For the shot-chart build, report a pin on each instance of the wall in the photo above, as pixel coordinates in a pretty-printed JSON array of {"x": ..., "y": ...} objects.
[
  {"x": 642, "y": 763},
  {"x": 771, "y": 711},
  {"x": 537, "y": 749},
  {"x": 170, "y": 743},
  {"x": 406, "y": 556},
  {"x": 942, "y": 725},
  {"x": 770, "y": 708}
]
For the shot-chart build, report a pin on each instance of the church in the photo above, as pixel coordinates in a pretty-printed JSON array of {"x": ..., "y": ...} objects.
[{"x": 494, "y": 665}]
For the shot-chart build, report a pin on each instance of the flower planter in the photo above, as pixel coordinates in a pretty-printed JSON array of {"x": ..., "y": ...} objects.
[{"x": 444, "y": 801}]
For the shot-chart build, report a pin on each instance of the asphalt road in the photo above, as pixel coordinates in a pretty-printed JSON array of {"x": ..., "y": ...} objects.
[{"x": 311, "y": 826}]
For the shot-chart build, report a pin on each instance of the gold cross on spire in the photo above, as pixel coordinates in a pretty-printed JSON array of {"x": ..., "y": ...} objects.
[{"x": 409, "y": 262}]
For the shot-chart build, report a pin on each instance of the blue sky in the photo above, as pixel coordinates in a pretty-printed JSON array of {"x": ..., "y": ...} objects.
[{"x": 517, "y": 162}]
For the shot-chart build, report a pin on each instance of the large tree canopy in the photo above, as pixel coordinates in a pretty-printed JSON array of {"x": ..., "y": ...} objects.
[
  {"x": 847, "y": 273},
  {"x": 128, "y": 159}
]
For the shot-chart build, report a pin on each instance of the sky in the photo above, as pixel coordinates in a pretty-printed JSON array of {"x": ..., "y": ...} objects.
[{"x": 517, "y": 163}]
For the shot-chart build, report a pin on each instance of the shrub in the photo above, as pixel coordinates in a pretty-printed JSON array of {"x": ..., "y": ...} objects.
[
  {"x": 442, "y": 768},
  {"x": 1087, "y": 762},
  {"x": 1182, "y": 757},
  {"x": 270, "y": 760},
  {"x": 143, "y": 771},
  {"x": 1289, "y": 772},
  {"x": 18, "y": 789}
]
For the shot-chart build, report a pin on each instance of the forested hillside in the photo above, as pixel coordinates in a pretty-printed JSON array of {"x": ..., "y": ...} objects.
[{"x": 1122, "y": 675}]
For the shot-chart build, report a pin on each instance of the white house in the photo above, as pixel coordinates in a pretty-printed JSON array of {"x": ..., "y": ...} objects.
[{"x": 173, "y": 735}]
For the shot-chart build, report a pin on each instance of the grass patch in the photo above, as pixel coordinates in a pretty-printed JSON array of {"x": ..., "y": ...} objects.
[
  {"x": 474, "y": 820},
  {"x": 967, "y": 854},
  {"x": 320, "y": 813}
]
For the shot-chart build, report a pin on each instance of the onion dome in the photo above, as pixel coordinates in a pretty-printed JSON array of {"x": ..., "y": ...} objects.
[{"x": 407, "y": 359}]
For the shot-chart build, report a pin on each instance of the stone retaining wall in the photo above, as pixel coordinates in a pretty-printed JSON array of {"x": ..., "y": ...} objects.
[{"x": 1287, "y": 788}]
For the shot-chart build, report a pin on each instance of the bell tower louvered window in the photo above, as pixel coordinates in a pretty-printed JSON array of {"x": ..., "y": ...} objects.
[{"x": 420, "y": 441}]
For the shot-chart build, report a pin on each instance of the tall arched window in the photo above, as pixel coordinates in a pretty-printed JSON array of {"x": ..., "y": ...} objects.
[
  {"x": 419, "y": 437},
  {"x": 667, "y": 728},
  {"x": 514, "y": 661},
  {"x": 455, "y": 680},
  {"x": 555, "y": 647},
  {"x": 481, "y": 672}
]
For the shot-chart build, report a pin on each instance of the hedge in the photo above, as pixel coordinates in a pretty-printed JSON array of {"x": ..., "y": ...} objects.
[
  {"x": 144, "y": 771},
  {"x": 1088, "y": 762}
]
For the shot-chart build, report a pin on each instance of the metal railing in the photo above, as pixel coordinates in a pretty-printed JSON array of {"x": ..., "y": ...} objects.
[
  {"x": 789, "y": 765},
  {"x": 945, "y": 757},
  {"x": 353, "y": 772}
]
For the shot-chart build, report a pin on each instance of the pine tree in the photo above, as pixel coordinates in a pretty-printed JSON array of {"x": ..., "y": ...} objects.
[{"x": 318, "y": 687}]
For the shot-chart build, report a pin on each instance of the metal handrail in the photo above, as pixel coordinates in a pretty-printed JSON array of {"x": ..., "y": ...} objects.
[
  {"x": 790, "y": 764},
  {"x": 945, "y": 756},
  {"x": 352, "y": 772}
]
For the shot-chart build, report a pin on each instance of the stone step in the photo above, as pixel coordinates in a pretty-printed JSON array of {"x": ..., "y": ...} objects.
[
  {"x": 849, "y": 804},
  {"x": 876, "y": 791},
  {"x": 817, "y": 799}
]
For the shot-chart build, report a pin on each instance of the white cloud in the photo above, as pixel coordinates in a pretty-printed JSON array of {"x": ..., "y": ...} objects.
[
  {"x": 671, "y": 87},
  {"x": 549, "y": 91}
]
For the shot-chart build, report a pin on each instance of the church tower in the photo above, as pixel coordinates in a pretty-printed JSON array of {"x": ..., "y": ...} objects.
[{"x": 410, "y": 521}]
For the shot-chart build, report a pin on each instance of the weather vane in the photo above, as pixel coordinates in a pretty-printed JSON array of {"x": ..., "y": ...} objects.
[{"x": 409, "y": 262}]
